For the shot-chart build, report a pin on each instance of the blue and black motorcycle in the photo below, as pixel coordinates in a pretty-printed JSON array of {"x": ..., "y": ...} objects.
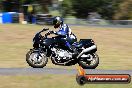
[{"x": 54, "y": 48}]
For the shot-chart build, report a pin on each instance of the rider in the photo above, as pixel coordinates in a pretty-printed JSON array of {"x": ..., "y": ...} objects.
[{"x": 65, "y": 31}]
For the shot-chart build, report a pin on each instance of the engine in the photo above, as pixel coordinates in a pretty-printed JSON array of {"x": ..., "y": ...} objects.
[{"x": 61, "y": 54}]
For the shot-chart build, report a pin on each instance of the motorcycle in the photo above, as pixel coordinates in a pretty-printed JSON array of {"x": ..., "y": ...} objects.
[{"x": 44, "y": 48}]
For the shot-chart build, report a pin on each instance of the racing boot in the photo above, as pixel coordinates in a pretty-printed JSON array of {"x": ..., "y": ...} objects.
[{"x": 72, "y": 49}]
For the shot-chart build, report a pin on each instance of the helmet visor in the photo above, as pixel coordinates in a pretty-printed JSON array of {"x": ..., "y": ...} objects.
[{"x": 54, "y": 22}]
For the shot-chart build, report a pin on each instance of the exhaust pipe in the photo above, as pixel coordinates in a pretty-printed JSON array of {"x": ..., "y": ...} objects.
[{"x": 87, "y": 50}]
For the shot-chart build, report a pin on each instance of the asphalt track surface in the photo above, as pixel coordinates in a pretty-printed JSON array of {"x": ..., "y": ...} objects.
[{"x": 43, "y": 71}]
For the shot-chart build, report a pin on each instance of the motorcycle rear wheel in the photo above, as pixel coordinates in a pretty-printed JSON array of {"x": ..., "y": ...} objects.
[
  {"x": 87, "y": 64},
  {"x": 31, "y": 63}
]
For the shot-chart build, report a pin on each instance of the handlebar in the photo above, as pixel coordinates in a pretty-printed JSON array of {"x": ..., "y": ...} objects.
[
  {"x": 50, "y": 32},
  {"x": 44, "y": 30}
]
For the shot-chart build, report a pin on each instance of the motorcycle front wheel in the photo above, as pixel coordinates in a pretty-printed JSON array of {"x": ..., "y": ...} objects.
[
  {"x": 33, "y": 61},
  {"x": 89, "y": 63}
]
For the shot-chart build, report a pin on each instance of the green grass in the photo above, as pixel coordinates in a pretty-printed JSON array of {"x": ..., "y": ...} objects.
[
  {"x": 55, "y": 13},
  {"x": 50, "y": 81},
  {"x": 76, "y": 21}
]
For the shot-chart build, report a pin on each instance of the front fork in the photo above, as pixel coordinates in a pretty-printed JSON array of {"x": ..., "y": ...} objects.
[{"x": 39, "y": 51}]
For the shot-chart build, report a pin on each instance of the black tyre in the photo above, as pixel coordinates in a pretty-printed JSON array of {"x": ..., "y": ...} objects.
[
  {"x": 81, "y": 80},
  {"x": 31, "y": 61},
  {"x": 84, "y": 63}
]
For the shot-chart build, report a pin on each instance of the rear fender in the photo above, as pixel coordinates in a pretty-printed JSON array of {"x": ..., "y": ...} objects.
[{"x": 88, "y": 43}]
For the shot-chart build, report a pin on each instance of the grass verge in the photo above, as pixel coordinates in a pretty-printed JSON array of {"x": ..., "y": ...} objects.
[{"x": 50, "y": 81}]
